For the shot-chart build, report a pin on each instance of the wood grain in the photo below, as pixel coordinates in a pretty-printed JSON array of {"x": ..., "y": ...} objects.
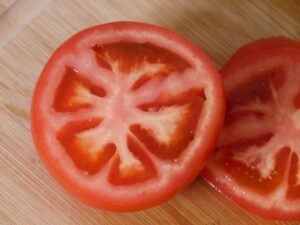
[
  {"x": 16, "y": 16},
  {"x": 30, "y": 30},
  {"x": 4, "y": 4}
]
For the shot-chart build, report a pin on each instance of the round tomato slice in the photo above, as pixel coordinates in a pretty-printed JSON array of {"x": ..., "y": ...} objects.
[
  {"x": 126, "y": 114},
  {"x": 257, "y": 158}
]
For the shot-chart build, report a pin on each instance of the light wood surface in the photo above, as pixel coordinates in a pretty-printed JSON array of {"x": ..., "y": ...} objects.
[{"x": 30, "y": 30}]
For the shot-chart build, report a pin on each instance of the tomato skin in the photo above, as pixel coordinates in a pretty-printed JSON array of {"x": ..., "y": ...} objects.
[
  {"x": 246, "y": 57},
  {"x": 229, "y": 193},
  {"x": 264, "y": 44},
  {"x": 92, "y": 196}
]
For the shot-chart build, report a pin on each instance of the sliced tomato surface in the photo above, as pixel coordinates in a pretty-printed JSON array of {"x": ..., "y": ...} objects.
[
  {"x": 257, "y": 158},
  {"x": 126, "y": 114}
]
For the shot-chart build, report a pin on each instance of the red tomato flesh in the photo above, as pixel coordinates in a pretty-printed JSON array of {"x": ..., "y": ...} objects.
[
  {"x": 126, "y": 114},
  {"x": 256, "y": 162}
]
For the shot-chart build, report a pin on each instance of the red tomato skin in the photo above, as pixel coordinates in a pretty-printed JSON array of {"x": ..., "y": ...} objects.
[
  {"x": 273, "y": 214},
  {"x": 263, "y": 47},
  {"x": 94, "y": 199},
  {"x": 264, "y": 44}
]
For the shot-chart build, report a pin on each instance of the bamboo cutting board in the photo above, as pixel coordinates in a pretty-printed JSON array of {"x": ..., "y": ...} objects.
[{"x": 30, "y": 30}]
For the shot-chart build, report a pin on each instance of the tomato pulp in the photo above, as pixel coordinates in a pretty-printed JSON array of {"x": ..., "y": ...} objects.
[
  {"x": 256, "y": 163},
  {"x": 126, "y": 114}
]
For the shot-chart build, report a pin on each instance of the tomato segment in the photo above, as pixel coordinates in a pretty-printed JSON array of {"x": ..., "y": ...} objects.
[
  {"x": 248, "y": 175},
  {"x": 74, "y": 91},
  {"x": 87, "y": 157},
  {"x": 294, "y": 184},
  {"x": 259, "y": 147},
  {"x": 133, "y": 175},
  {"x": 296, "y": 101},
  {"x": 125, "y": 115}
]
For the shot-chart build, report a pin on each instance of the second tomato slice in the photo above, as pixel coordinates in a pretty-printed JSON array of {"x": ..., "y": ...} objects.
[{"x": 256, "y": 162}]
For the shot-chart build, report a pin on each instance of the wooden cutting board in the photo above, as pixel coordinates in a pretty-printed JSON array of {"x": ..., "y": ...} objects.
[{"x": 30, "y": 30}]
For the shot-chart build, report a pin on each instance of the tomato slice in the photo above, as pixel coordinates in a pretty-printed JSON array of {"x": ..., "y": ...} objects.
[
  {"x": 126, "y": 114},
  {"x": 256, "y": 163}
]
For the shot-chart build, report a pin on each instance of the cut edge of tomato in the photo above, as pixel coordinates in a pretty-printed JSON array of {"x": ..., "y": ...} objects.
[
  {"x": 229, "y": 193},
  {"x": 263, "y": 44}
]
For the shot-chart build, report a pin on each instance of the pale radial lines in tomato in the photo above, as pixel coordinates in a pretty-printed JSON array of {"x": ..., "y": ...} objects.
[{"x": 120, "y": 105}]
